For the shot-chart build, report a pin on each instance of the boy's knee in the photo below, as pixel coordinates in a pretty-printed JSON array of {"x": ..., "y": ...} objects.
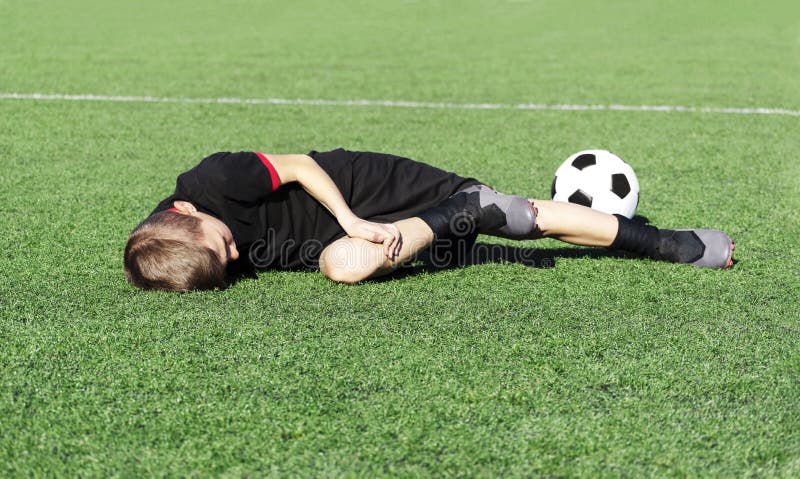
[
  {"x": 515, "y": 215},
  {"x": 347, "y": 262}
]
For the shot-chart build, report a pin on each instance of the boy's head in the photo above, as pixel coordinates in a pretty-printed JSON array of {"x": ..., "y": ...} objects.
[{"x": 179, "y": 250}]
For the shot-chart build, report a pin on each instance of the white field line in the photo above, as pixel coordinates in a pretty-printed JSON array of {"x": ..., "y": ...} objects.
[{"x": 403, "y": 104}]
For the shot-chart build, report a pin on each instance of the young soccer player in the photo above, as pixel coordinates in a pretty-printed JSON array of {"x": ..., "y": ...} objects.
[{"x": 358, "y": 215}]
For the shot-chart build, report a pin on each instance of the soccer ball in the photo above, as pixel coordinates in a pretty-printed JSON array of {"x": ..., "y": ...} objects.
[{"x": 598, "y": 179}]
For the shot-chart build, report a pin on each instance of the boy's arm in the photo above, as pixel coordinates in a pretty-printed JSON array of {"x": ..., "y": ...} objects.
[{"x": 304, "y": 170}]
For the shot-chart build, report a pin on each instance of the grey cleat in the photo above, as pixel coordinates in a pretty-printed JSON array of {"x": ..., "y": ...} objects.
[{"x": 703, "y": 248}]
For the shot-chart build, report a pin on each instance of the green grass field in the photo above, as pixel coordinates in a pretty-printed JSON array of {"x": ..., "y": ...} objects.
[{"x": 598, "y": 366}]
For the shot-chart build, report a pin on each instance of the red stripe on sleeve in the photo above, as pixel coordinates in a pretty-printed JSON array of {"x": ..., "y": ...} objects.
[{"x": 273, "y": 175}]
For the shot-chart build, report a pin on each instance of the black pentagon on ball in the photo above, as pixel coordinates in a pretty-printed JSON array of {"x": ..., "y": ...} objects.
[
  {"x": 584, "y": 160},
  {"x": 580, "y": 197},
  {"x": 620, "y": 185},
  {"x": 553, "y": 188}
]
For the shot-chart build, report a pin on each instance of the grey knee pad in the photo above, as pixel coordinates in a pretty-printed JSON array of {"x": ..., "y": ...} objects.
[{"x": 520, "y": 216}]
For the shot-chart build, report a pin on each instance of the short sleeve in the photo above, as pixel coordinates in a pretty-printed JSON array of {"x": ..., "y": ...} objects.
[
  {"x": 166, "y": 204},
  {"x": 245, "y": 177}
]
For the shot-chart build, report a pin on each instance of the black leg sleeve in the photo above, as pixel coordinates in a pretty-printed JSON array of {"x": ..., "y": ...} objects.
[
  {"x": 677, "y": 246},
  {"x": 636, "y": 238}
]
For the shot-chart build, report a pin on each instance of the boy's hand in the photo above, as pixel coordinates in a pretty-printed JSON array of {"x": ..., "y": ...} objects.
[
  {"x": 305, "y": 170},
  {"x": 385, "y": 233}
]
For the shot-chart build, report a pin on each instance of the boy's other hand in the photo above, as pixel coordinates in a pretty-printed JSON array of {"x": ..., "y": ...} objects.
[{"x": 384, "y": 233}]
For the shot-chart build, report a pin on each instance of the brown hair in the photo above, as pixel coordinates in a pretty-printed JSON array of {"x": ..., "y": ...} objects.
[{"x": 165, "y": 252}]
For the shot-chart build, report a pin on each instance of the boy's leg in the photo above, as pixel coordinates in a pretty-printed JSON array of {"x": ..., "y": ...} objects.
[
  {"x": 516, "y": 217},
  {"x": 583, "y": 226},
  {"x": 573, "y": 224},
  {"x": 350, "y": 260},
  {"x": 580, "y": 225},
  {"x": 520, "y": 218}
]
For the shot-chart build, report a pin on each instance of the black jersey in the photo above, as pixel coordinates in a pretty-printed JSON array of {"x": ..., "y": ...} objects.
[{"x": 286, "y": 227}]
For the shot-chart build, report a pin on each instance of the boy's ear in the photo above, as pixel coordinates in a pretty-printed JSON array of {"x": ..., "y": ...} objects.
[{"x": 184, "y": 207}]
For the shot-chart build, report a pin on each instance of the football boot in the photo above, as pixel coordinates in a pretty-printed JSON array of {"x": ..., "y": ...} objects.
[{"x": 699, "y": 247}]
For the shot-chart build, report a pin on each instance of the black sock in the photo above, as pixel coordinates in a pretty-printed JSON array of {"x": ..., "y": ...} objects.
[
  {"x": 662, "y": 245},
  {"x": 454, "y": 223},
  {"x": 453, "y": 218},
  {"x": 636, "y": 238}
]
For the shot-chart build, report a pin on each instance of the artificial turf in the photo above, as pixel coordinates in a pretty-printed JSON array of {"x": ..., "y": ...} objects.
[{"x": 583, "y": 364}]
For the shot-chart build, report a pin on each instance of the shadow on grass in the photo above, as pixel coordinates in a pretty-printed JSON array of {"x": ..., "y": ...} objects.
[
  {"x": 487, "y": 253},
  {"x": 480, "y": 253}
]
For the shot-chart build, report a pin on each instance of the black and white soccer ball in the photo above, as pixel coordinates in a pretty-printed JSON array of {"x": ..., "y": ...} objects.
[{"x": 598, "y": 179}]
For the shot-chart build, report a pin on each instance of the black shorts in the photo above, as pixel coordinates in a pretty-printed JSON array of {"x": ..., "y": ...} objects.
[{"x": 386, "y": 188}]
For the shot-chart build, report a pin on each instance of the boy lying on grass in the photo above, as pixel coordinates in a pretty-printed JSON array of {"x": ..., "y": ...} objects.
[{"x": 357, "y": 215}]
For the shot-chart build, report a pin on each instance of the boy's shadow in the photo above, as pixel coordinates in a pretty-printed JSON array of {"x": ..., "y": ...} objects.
[
  {"x": 483, "y": 253},
  {"x": 480, "y": 253},
  {"x": 487, "y": 253}
]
